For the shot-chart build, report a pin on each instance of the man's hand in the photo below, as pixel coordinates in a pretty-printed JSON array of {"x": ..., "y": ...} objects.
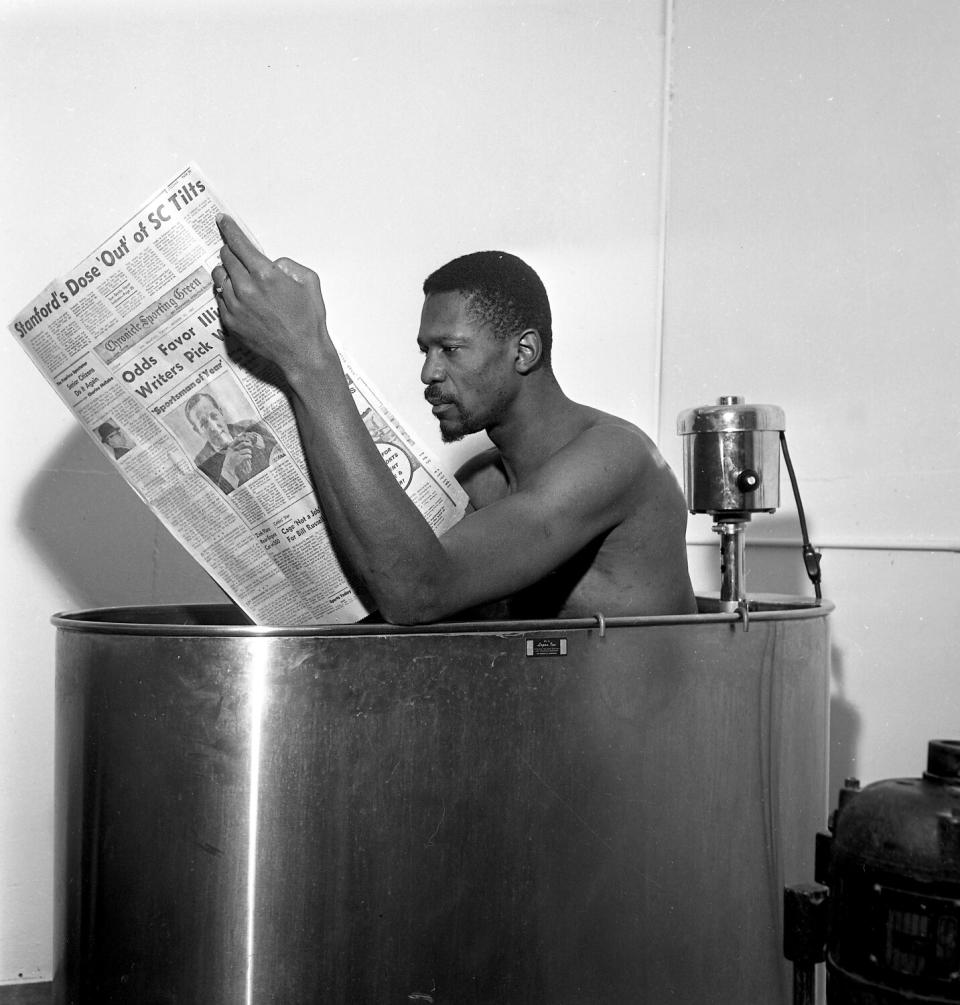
[
  {"x": 238, "y": 460},
  {"x": 275, "y": 308}
]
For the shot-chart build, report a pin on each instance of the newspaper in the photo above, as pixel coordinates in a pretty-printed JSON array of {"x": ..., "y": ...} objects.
[{"x": 201, "y": 429}]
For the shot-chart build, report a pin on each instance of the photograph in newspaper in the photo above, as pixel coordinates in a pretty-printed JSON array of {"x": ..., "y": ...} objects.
[
  {"x": 131, "y": 341},
  {"x": 114, "y": 439},
  {"x": 232, "y": 449}
]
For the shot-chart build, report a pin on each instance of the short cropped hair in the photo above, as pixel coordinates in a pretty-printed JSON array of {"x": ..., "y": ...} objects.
[
  {"x": 195, "y": 400},
  {"x": 501, "y": 290}
]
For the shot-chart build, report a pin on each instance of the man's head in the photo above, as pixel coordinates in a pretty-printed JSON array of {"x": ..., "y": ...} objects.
[
  {"x": 110, "y": 434},
  {"x": 484, "y": 328},
  {"x": 500, "y": 290},
  {"x": 207, "y": 419}
]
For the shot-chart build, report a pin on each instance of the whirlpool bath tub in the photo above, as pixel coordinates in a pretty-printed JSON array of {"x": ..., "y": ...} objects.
[{"x": 502, "y": 812}]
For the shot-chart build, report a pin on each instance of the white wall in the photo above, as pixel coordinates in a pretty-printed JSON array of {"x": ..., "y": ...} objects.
[
  {"x": 813, "y": 261},
  {"x": 373, "y": 141}
]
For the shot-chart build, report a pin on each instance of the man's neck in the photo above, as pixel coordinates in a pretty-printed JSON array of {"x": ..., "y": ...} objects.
[{"x": 539, "y": 424}]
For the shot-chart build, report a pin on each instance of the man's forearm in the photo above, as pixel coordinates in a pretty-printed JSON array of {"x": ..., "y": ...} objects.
[
  {"x": 277, "y": 310},
  {"x": 376, "y": 527}
]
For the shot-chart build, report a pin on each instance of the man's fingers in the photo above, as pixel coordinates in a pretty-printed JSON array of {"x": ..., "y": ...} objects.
[
  {"x": 222, "y": 287},
  {"x": 240, "y": 245},
  {"x": 235, "y": 269},
  {"x": 293, "y": 270}
]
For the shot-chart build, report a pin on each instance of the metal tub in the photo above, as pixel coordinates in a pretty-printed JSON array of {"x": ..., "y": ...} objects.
[{"x": 556, "y": 812}]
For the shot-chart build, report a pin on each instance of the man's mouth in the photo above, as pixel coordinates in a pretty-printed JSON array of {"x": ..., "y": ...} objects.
[{"x": 436, "y": 398}]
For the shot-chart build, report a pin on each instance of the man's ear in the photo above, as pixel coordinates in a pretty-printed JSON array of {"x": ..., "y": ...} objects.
[{"x": 529, "y": 350}]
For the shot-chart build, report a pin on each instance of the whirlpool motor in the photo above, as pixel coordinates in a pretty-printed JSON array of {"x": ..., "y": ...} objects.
[
  {"x": 884, "y": 911},
  {"x": 731, "y": 470}
]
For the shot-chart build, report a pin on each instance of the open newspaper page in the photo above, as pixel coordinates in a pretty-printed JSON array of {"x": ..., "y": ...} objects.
[{"x": 131, "y": 340}]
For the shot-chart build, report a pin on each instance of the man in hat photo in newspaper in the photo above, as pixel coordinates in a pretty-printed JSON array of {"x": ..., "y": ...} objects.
[{"x": 113, "y": 436}]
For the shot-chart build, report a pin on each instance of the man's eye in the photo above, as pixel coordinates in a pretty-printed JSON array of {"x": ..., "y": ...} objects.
[{"x": 450, "y": 348}]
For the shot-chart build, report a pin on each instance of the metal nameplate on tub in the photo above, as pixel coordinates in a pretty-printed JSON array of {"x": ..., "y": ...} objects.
[{"x": 547, "y": 647}]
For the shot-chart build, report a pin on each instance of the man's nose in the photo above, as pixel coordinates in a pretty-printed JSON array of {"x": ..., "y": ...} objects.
[{"x": 432, "y": 371}]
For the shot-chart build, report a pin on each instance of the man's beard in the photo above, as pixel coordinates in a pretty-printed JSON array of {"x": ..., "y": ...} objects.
[
  {"x": 453, "y": 435},
  {"x": 452, "y": 430},
  {"x": 455, "y": 426}
]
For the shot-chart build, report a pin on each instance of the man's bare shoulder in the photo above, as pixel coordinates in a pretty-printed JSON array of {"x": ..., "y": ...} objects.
[
  {"x": 483, "y": 478},
  {"x": 619, "y": 442},
  {"x": 640, "y": 485},
  {"x": 595, "y": 419},
  {"x": 598, "y": 440}
]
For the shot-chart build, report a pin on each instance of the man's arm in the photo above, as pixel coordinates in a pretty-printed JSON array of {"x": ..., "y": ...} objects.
[{"x": 277, "y": 310}]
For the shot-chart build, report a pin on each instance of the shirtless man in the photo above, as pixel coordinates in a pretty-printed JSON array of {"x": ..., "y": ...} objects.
[{"x": 573, "y": 511}]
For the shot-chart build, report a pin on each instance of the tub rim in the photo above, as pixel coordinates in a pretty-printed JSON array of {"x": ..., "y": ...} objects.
[{"x": 101, "y": 620}]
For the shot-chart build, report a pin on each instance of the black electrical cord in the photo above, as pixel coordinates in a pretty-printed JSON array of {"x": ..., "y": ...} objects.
[{"x": 811, "y": 557}]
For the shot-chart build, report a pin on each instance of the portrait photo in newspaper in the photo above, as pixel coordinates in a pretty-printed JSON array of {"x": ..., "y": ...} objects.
[
  {"x": 217, "y": 427},
  {"x": 114, "y": 439}
]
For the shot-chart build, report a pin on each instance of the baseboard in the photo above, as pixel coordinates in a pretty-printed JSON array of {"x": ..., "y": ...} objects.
[{"x": 34, "y": 993}]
